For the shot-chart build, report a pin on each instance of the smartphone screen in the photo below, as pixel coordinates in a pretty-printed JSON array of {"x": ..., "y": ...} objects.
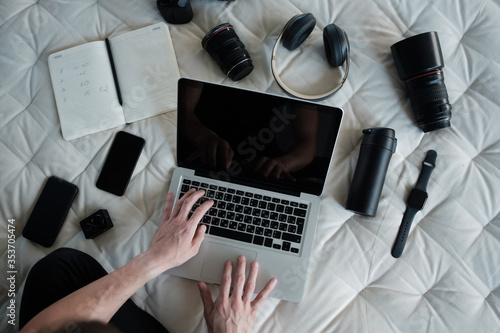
[
  {"x": 120, "y": 163},
  {"x": 50, "y": 211}
]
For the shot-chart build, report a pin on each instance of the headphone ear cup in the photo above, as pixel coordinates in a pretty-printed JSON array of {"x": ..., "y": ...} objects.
[
  {"x": 297, "y": 30},
  {"x": 335, "y": 45}
]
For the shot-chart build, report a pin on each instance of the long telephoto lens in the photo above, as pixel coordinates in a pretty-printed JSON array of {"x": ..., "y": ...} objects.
[
  {"x": 226, "y": 48},
  {"x": 419, "y": 62}
]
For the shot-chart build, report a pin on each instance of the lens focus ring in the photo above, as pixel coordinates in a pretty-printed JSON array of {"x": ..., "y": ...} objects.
[{"x": 429, "y": 100}]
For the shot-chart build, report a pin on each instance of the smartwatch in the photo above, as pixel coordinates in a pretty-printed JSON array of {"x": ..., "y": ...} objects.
[{"x": 416, "y": 201}]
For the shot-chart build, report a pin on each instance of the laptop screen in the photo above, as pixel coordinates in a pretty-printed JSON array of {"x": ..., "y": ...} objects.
[{"x": 253, "y": 138}]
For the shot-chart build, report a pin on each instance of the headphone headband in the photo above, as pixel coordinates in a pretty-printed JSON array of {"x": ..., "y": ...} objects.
[{"x": 298, "y": 94}]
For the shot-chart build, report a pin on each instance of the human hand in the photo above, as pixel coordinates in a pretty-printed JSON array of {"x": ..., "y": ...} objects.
[
  {"x": 234, "y": 311},
  {"x": 179, "y": 237}
]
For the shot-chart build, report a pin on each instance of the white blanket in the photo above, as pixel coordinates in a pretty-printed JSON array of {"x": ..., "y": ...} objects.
[{"x": 448, "y": 278}]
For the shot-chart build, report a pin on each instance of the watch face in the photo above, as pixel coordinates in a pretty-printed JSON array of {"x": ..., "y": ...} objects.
[{"x": 417, "y": 199}]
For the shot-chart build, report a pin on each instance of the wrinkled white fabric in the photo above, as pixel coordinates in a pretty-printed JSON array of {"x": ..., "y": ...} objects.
[{"x": 447, "y": 279}]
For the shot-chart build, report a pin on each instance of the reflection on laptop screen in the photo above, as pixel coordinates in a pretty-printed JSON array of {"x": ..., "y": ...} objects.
[{"x": 255, "y": 138}]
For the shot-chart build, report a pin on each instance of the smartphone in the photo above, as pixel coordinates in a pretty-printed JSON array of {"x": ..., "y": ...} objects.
[
  {"x": 50, "y": 211},
  {"x": 120, "y": 163}
]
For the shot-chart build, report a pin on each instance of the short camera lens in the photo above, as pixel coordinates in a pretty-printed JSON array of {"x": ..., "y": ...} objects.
[{"x": 226, "y": 48}]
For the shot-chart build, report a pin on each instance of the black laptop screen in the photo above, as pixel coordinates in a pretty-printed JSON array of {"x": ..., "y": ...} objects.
[{"x": 254, "y": 138}]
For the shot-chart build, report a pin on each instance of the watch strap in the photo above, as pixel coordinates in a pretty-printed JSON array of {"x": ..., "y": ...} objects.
[
  {"x": 427, "y": 167},
  {"x": 404, "y": 230}
]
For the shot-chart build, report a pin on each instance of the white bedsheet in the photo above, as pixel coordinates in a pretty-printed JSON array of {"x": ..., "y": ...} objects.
[{"x": 448, "y": 278}]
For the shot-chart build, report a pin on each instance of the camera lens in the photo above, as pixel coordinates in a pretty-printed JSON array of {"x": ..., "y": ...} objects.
[
  {"x": 226, "y": 48},
  {"x": 419, "y": 62},
  {"x": 97, "y": 221},
  {"x": 177, "y": 12}
]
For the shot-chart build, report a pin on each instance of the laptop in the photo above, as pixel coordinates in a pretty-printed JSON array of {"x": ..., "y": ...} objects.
[{"x": 263, "y": 159}]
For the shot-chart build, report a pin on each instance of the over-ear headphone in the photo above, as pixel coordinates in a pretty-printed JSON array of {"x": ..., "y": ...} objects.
[{"x": 337, "y": 49}]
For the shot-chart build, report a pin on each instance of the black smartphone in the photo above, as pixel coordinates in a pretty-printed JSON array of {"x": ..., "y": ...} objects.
[
  {"x": 120, "y": 163},
  {"x": 50, "y": 211}
]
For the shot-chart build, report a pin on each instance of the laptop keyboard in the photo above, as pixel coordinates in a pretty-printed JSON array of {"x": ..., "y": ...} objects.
[{"x": 250, "y": 217}]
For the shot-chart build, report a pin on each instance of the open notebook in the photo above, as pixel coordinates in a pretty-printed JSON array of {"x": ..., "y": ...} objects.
[{"x": 105, "y": 84}]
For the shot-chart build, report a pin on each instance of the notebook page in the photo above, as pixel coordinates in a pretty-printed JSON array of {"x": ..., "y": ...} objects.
[
  {"x": 147, "y": 71},
  {"x": 84, "y": 90}
]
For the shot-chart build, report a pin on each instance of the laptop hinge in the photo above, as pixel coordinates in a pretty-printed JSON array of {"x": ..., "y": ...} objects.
[{"x": 224, "y": 176}]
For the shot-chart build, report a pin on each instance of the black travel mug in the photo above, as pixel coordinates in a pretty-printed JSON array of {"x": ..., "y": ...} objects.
[{"x": 377, "y": 147}]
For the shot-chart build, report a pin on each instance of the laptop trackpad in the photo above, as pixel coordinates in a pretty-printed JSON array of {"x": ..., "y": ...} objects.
[{"x": 216, "y": 257}]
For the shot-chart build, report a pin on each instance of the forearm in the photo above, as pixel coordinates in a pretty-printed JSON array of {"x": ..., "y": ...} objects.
[
  {"x": 98, "y": 301},
  {"x": 177, "y": 240}
]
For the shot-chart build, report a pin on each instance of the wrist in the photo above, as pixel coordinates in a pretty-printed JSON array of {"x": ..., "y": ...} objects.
[
  {"x": 147, "y": 265},
  {"x": 229, "y": 326}
]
